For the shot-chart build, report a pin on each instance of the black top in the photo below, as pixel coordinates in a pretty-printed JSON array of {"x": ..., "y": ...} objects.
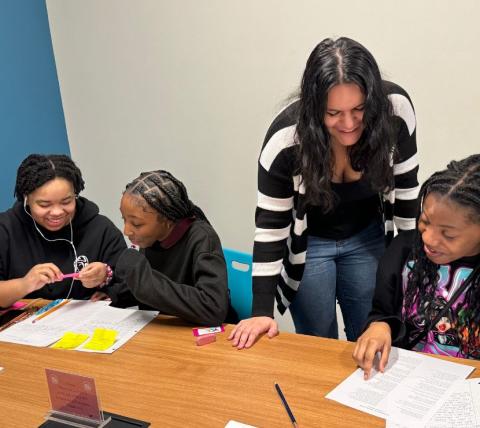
[
  {"x": 187, "y": 279},
  {"x": 356, "y": 207},
  {"x": 95, "y": 237},
  {"x": 282, "y": 224}
]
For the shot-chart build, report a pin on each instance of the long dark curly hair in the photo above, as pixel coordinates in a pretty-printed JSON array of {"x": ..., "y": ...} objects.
[
  {"x": 460, "y": 183},
  {"x": 333, "y": 62}
]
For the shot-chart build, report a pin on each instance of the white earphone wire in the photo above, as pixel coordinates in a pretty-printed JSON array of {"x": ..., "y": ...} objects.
[{"x": 75, "y": 268}]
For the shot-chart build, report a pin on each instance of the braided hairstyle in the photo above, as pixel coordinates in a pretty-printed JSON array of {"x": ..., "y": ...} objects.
[
  {"x": 35, "y": 170},
  {"x": 460, "y": 183},
  {"x": 166, "y": 194}
]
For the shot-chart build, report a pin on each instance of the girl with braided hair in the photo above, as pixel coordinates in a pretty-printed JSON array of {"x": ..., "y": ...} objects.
[
  {"x": 180, "y": 269},
  {"x": 427, "y": 296},
  {"x": 51, "y": 231}
]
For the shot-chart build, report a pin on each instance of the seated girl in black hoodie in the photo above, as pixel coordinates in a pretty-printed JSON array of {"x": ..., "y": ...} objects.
[
  {"x": 180, "y": 269},
  {"x": 427, "y": 296},
  {"x": 51, "y": 231}
]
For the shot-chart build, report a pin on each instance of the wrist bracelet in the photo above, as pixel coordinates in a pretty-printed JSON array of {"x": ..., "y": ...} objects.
[{"x": 108, "y": 277}]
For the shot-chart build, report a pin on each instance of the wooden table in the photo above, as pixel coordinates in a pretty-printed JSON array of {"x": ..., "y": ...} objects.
[{"x": 162, "y": 377}]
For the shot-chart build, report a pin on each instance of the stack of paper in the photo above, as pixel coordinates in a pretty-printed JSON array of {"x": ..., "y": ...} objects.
[
  {"x": 416, "y": 390},
  {"x": 81, "y": 319},
  {"x": 459, "y": 407}
]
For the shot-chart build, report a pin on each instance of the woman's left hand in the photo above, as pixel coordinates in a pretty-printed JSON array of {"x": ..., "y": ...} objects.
[{"x": 93, "y": 274}]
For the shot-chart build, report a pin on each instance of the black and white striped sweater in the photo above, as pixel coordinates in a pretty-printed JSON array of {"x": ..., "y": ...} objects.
[{"x": 281, "y": 232}]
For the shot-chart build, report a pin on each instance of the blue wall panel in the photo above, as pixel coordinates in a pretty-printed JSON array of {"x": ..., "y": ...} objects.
[{"x": 31, "y": 113}]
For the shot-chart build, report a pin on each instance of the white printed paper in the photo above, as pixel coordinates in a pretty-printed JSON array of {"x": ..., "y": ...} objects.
[
  {"x": 426, "y": 378},
  {"x": 458, "y": 408},
  {"x": 79, "y": 316},
  {"x": 235, "y": 424}
]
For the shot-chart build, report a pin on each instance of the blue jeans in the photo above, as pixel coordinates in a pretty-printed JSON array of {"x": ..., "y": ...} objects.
[{"x": 343, "y": 270}]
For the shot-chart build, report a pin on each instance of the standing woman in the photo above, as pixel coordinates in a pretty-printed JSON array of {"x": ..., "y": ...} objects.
[
  {"x": 343, "y": 156},
  {"x": 51, "y": 231}
]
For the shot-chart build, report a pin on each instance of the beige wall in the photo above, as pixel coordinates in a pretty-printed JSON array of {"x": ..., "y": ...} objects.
[{"x": 191, "y": 86}]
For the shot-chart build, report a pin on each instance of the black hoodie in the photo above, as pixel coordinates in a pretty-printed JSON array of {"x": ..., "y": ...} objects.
[
  {"x": 184, "y": 275},
  {"x": 95, "y": 237}
]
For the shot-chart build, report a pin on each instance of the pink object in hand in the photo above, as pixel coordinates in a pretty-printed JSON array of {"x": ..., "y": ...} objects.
[
  {"x": 71, "y": 275},
  {"x": 18, "y": 305},
  {"x": 205, "y": 339}
]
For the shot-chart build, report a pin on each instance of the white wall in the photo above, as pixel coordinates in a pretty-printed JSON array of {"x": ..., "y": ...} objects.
[{"x": 191, "y": 86}]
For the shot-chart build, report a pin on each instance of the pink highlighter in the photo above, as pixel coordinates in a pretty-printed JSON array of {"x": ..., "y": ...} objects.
[{"x": 74, "y": 275}]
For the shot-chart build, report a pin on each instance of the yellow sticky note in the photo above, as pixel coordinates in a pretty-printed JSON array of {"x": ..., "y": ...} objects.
[
  {"x": 70, "y": 340},
  {"x": 101, "y": 340}
]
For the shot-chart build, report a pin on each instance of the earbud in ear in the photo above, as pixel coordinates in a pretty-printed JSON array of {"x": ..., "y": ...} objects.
[{"x": 24, "y": 202}]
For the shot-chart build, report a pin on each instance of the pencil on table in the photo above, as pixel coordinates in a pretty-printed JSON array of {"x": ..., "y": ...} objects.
[
  {"x": 17, "y": 319},
  {"x": 51, "y": 310},
  {"x": 30, "y": 304},
  {"x": 285, "y": 404}
]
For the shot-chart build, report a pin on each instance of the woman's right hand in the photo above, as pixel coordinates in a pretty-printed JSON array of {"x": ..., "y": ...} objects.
[
  {"x": 247, "y": 331},
  {"x": 39, "y": 275},
  {"x": 377, "y": 338}
]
